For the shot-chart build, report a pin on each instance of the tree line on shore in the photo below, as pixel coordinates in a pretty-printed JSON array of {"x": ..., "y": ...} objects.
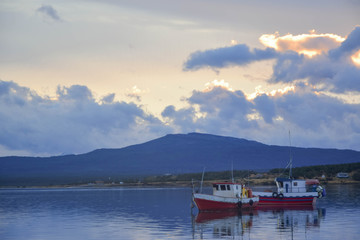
[
  {"x": 321, "y": 171},
  {"x": 328, "y": 171}
]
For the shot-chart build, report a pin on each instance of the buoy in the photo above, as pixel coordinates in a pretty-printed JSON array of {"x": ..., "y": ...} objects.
[{"x": 250, "y": 193}]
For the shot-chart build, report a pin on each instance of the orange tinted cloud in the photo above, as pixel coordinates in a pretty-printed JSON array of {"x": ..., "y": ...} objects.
[
  {"x": 356, "y": 58},
  {"x": 308, "y": 44},
  {"x": 273, "y": 93},
  {"x": 216, "y": 83}
]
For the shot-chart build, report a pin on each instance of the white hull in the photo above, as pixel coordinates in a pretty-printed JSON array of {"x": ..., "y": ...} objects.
[{"x": 224, "y": 199}]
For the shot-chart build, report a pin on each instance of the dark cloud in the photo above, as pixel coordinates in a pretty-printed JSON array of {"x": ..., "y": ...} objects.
[
  {"x": 49, "y": 11},
  {"x": 312, "y": 112},
  {"x": 73, "y": 123},
  {"x": 181, "y": 120},
  {"x": 227, "y": 56},
  {"x": 75, "y": 92},
  {"x": 349, "y": 46},
  {"x": 266, "y": 107},
  {"x": 316, "y": 119},
  {"x": 286, "y": 68},
  {"x": 221, "y": 102},
  {"x": 108, "y": 98},
  {"x": 331, "y": 70},
  {"x": 220, "y": 111},
  {"x": 338, "y": 76}
]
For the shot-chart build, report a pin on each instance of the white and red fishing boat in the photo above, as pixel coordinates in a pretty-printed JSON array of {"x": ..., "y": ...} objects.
[
  {"x": 226, "y": 195},
  {"x": 291, "y": 192}
]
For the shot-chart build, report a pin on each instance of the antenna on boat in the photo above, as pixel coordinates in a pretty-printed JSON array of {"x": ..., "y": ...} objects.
[
  {"x": 290, "y": 163},
  {"x": 202, "y": 180},
  {"x": 232, "y": 171}
]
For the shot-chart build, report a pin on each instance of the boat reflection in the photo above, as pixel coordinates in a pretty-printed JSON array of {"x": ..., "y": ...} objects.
[
  {"x": 203, "y": 217},
  {"x": 244, "y": 224},
  {"x": 295, "y": 216},
  {"x": 225, "y": 223}
]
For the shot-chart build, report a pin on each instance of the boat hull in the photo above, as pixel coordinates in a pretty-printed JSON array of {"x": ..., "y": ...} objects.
[
  {"x": 287, "y": 201},
  {"x": 206, "y": 202}
]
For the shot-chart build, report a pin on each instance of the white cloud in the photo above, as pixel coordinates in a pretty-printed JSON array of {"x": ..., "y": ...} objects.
[
  {"x": 74, "y": 122},
  {"x": 333, "y": 70},
  {"x": 216, "y": 83},
  {"x": 317, "y": 120},
  {"x": 326, "y": 61},
  {"x": 308, "y": 44},
  {"x": 135, "y": 93}
]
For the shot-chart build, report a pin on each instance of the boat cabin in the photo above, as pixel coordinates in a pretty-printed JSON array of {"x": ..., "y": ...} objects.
[
  {"x": 229, "y": 189},
  {"x": 287, "y": 185}
]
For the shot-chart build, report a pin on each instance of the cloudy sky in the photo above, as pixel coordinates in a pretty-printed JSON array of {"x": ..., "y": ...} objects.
[{"x": 79, "y": 75}]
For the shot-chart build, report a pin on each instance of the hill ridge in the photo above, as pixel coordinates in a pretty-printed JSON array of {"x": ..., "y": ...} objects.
[{"x": 172, "y": 153}]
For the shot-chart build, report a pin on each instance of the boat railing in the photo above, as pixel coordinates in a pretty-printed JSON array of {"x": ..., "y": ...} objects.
[
  {"x": 196, "y": 186},
  {"x": 299, "y": 189}
]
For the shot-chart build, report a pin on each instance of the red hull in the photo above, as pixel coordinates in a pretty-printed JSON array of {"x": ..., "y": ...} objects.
[
  {"x": 208, "y": 205},
  {"x": 287, "y": 201}
]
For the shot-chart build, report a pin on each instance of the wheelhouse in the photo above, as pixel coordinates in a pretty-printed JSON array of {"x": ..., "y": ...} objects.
[
  {"x": 287, "y": 185},
  {"x": 228, "y": 189}
]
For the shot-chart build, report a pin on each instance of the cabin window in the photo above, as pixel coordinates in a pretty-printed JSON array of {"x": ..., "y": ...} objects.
[
  {"x": 295, "y": 184},
  {"x": 216, "y": 186},
  {"x": 228, "y": 187},
  {"x": 223, "y": 188},
  {"x": 236, "y": 187}
]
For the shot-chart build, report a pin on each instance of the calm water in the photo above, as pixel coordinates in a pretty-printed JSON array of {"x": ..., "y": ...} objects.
[{"x": 165, "y": 213}]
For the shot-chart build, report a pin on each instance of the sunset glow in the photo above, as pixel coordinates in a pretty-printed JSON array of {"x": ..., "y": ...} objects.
[
  {"x": 216, "y": 83},
  {"x": 109, "y": 74},
  {"x": 275, "y": 92},
  {"x": 307, "y": 44},
  {"x": 282, "y": 91},
  {"x": 356, "y": 58}
]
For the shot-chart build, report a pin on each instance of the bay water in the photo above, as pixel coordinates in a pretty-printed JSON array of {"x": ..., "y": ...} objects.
[{"x": 166, "y": 213}]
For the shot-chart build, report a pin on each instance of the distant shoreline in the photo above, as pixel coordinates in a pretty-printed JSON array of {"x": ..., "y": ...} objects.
[
  {"x": 326, "y": 174},
  {"x": 207, "y": 183}
]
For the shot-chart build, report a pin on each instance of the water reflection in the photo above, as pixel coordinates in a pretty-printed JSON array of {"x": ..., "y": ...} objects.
[
  {"x": 225, "y": 223},
  {"x": 117, "y": 213},
  {"x": 286, "y": 222},
  {"x": 163, "y": 213},
  {"x": 288, "y": 219}
]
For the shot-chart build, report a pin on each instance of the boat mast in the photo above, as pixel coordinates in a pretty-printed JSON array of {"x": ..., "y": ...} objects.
[
  {"x": 202, "y": 180},
  {"x": 232, "y": 171},
  {"x": 290, "y": 163}
]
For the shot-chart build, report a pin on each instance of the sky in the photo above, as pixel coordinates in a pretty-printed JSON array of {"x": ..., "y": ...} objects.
[{"x": 81, "y": 75}]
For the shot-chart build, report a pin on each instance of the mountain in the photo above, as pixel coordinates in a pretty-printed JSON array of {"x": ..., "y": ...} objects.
[{"x": 173, "y": 153}]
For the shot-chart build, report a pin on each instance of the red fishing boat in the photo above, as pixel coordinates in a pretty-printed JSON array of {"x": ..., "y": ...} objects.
[
  {"x": 226, "y": 195},
  {"x": 292, "y": 192}
]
